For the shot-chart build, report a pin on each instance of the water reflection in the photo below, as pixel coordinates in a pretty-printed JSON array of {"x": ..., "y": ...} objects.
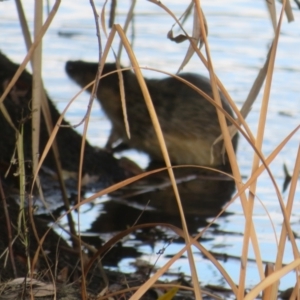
[{"x": 152, "y": 200}]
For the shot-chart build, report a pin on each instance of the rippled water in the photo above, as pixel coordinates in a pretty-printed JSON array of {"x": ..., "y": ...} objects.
[{"x": 239, "y": 35}]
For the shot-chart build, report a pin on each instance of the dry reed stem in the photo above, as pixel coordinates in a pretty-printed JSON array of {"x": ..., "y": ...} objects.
[
  {"x": 22, "y": 181},
  {"x": 200, "y": 29},
  {"x": 296, "y": 291},
  {"x": 31, "y": 50},
  {"x": 289, "y": 207},
  {"x": 104, "y": 54},
  {"x": 125, "y": 27},
  {"x": 243, "y": 197},
  {"x": 269, "y": 269},
  {"x": 255, "y": 89},
  {"x": 272, "y": 279},
  {"x": 120, "y": 76},
  {"x": 271, "y": 5},
  {"x": 289, "y": 11},
  {"x": 272, "y": 11},
  {"x": 164, "y": 268},
  {"x": 39, "y": 36},
  {"x": 258, "y": 144},
  {"x": 160, "y": 137},
  {"x": 102, "y": 18},
  {"x": 36, "y": 86},
  {"x": 49, "y": 125},
  {"x": 24, "y": 24},
  {"x": 254, "y": 176},
  {"x": 158, "y": 286},
  {"x": 85, "y": 128},
  {"x": 232, "y": 160},
  {"x": 138, "y": 177},
  {"x": 117, "y": 58},
  {"x": 263, "y": 166},
  {"x": 38, "y": 93},
  {"x": 127, "y": 46}
]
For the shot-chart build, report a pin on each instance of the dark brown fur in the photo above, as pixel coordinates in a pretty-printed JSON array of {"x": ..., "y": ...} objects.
[
  {"x": 189, "y": 122},
  {"x": 18, "y": 105}
]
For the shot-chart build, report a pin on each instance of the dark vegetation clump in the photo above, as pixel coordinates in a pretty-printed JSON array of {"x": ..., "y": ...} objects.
[{"x": 18, "y": 104}]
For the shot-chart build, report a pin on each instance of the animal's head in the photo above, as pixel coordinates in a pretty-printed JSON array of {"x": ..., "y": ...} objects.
[{"x": 85, "y": 72}]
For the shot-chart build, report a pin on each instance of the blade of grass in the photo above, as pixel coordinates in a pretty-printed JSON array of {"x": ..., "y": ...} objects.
[
  {"x": 258, "y": 144},
  {"x": 272, "y": 11},
  {"x": 164, "y": 268},
  {"x": 200, "y": 55},
  {"x": 233, "y": 163},
  {"x": 36, "y": 90},
  {"x": 289, "y": 206},
  {"x": 85, "y": 128},
  {"x": 296, "y": 291},
  {"x": 271, "y": 279},
  {"x": 253, "y": 178},
  {"x": 289, "y": 11},
  {"x": 138, "y": 177},
  {"x": 49, "y": 124},
  {"x": 197, "y": 36},
  {"x": 162, "y": 143},
  {"x": 46, "y": 113},
  {"x": 32, "y": 48},
  {"x": 129, "y": 17},
  {"x": 267, "y": 291},
  {"x": 252, "y": 96},
  {"x": 22, "y": 222},
  {"x": 117, "y": 58}
]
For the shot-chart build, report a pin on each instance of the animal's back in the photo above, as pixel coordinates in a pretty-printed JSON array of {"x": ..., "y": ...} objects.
[{"x": 189, "y": 122}]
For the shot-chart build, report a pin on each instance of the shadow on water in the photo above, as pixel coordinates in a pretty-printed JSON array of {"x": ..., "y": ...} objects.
[{"x": 203, "y": 193}]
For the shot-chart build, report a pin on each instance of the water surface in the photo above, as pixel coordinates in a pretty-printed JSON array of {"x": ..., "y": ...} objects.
[{"x": 239, "y": 35}]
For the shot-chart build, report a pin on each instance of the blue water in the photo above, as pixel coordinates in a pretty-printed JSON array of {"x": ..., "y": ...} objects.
[{"x": 239, "y": 35}]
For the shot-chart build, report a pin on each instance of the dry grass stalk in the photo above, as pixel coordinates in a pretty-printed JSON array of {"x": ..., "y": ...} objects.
[
  {"x": 159, "y": 134},
  {"x": 31, "y": 50},
  {"x": 268, "y": 284},
  {"x": 40, "y": 100},
  {"x": 37, "y": 87},
  {"x": 231, "y": 155}
]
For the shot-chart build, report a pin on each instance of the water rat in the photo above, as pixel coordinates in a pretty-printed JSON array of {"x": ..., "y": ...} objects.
[{"x": 189, "y": 122}]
